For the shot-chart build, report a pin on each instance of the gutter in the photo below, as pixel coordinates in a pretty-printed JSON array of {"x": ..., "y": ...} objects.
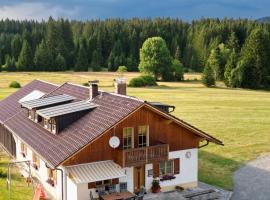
[
  {"x": 62, "y": 179},
  {"x": 204, "y": 145}
]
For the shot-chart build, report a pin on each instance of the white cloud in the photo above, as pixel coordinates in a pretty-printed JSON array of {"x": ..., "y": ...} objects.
[{"x": 37, "y": 11}]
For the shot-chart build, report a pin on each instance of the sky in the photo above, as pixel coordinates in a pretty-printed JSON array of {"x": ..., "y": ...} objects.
[{"x": 102, "y": 9}]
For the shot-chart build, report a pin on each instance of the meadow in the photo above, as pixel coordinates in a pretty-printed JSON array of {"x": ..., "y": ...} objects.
[{"x": 238, "y": 117}]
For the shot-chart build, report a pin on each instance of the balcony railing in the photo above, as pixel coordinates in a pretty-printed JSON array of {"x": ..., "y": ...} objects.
[{"x": 141, "y": 156}]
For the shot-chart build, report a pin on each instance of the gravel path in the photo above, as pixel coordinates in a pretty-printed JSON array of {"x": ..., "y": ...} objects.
[{"x": 253, "y": 180}]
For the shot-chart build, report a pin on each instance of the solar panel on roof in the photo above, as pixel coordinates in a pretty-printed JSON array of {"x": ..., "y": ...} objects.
[
  {"x": 65, "y": 109},
  {"x": 47, "y": 101}
]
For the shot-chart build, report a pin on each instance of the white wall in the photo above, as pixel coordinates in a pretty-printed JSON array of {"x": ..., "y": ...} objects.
[
  {"x": 128, "y": 178},
  {"x": 41, "y": 173},
  {"x": 72, "y": 192},
  {"x": 188, "y": 169}
]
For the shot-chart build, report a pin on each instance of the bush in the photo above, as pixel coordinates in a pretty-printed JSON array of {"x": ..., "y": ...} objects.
[
  {"x": 86, "y": 84},
  {"x": 148, "y": 80},
  {"x": 14, "y": 84},
  {"x": 141, "y": 81},
  {"x": 136, "y": 82},
  {"x": 3, "y": 174}
]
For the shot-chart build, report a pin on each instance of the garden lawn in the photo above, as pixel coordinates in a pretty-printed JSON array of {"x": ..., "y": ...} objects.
[
  {"x": 240, "y": 118},
  {"x": 19, "y": 187}
]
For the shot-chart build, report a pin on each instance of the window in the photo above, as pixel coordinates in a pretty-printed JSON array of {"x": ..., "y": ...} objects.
[
  {"x": 166, "y": 168},
  {"x": 128, "y": 138},
  {"x": 36, "y": 161},
  {"x": 143, "y": 136},
  {"x": 53, "y": 125},
  {"x": 23, "y": 149},
  {"x": 52, "y": 177}
]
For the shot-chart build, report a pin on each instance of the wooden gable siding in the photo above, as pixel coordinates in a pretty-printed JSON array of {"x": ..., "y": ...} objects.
[
  {"x": 161, "y": 130},
  {"x": 7, "y": 140}
]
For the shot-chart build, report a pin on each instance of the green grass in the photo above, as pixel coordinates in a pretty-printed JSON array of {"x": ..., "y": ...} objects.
[
  {"x": 19, "y": 187},
  {"x": 240, "y": 118}
]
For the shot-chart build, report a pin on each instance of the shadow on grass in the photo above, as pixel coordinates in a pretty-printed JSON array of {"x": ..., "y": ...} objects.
[{"x": 217, "y": 170}]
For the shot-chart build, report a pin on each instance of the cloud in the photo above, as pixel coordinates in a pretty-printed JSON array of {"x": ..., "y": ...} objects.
[
  {"x": 37, "y": 11},
  {"x": 93, "y": 9}
]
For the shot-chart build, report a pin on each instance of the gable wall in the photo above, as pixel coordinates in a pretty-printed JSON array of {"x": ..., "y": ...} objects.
[{"x": 161, "y": 130}]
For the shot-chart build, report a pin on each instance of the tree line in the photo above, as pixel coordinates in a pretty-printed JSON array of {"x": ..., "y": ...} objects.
[{"x": 57, "y": 45}]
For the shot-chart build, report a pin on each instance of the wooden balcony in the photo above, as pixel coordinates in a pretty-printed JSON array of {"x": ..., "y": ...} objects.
[{"x": 141, "y": 156}]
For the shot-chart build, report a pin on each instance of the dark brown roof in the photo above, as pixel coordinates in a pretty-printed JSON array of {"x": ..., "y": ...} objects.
[
  {"x": 111, "y": 109},
  {"x": 56, "y": 148},
  {"x": 10, "y": 106}
]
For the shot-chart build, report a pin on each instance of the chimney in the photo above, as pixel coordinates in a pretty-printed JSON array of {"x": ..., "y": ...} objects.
[
  {"x": 120, "y": 86},
  {"x": 93, "y": 89}
]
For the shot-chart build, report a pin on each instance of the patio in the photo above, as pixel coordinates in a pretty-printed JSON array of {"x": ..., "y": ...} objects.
[{"x": 203, "y": 191}]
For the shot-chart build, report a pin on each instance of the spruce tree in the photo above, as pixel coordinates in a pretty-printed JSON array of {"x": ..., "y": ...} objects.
[
  {"x": 208, "y": 77},
  {"x": 43, "y": 58},
  {"x": 25, "y": 60},
  {"x": 10, "y": 65},
  {"x": 60, "y": 63},
  {"x": 82, "y": 60},
  {"x": 230, "y": 65},
  {"x": 233, "y": 42},
  {"x": 214, "y": 61},
  {"x": 95, "y": 64},
  {"x": 177, "y": 54}
]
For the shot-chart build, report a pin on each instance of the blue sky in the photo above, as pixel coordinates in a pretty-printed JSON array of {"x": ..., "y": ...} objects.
[{"x": 93, "y": 9}]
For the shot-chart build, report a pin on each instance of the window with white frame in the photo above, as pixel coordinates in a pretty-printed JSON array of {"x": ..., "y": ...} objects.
[
  {"x": 128, "y": 138},
  {"x": 166, "y": 168},
  {"x": 143, "y": 136}
]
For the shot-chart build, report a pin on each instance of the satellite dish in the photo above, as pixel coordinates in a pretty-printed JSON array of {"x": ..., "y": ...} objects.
[{"x": 114, "y": 142}]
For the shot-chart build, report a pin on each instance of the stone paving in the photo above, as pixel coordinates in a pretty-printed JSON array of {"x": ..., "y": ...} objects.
[
  {"x": 252, "y": 182},
  {"x": 177, "y": 195}
]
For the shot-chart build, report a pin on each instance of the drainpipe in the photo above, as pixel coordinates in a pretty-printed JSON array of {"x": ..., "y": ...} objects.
[
  {"x": 204, "y": 145},
  {"x": 62, "y": 178}
]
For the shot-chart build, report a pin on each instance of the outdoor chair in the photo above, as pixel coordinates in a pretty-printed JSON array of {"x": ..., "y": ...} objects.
[
  {"x": 111, "y": 189},
  {"x": 139, "y": 197},
  {"x": 142, "y": 191}
]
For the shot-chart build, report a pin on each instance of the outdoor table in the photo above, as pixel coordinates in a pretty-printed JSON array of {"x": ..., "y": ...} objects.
[{"x": 118, "y": 196}]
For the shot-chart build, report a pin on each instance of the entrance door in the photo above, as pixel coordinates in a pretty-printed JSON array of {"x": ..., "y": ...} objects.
[{"x": 139, "y": 178}]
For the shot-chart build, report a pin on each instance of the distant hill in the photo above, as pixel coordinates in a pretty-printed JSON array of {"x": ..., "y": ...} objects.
[{"x": 264, "y": 19}]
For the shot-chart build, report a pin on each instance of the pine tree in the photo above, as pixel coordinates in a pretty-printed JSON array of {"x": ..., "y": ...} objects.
[
  {"x": 25, "y": 60},
  {"x": 10, "y": 65},
  {"x": 82, "y": 60},
  {"x": 177, "y": 54},
  {"x": 255, "y": 56},
  {"x": 60, "y": 63},
  {"x": 16, "y": 45},
  {"x": 208, "y": 78},
  {"x": 43, "y": 58},
  {"x": 95, "y": 64},
  {"x": 233, "y": 42},
  {"x": 230, "y": 65},
  {"x": 214, "y": 61}
]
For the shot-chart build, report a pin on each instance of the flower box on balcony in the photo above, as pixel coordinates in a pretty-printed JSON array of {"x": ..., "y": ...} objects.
[
  {"x": 51, "y": 182},
  {"x": 167, "y": 177}
]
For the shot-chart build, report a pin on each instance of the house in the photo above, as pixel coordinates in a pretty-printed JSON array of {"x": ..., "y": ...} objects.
[{"x": 79, "y": 139}]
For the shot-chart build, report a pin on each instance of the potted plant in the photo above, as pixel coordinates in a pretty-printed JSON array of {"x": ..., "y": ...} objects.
[
  {"x": 155, "y": 186},
  {"x": 167, "y": 177}
]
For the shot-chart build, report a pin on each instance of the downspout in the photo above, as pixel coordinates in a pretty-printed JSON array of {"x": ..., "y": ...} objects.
[
  {"x": 204, "y": 145},
  {"x": 62, "y": 179}
]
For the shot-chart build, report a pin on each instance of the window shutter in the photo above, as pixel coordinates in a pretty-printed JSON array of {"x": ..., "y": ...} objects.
[
  {"x": 91, "y": 185},
  {"x": 115, "y": 181},
  {"x": 176, "y": 164},
  {"x": 155, "y": 170}
]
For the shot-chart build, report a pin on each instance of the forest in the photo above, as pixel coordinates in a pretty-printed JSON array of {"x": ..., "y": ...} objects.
[{"x": 61, "y": 44}]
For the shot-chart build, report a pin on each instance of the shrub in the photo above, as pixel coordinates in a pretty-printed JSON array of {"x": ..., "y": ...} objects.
[
  {"x": 3, "y": 174},
  {"x": 14, "y": 84},
  {"x": 86, "y": 84},
  {"x": 148, "y": 80},
  {"x": 136, "y": 82},
  {"x": 141, "y": 81}
]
